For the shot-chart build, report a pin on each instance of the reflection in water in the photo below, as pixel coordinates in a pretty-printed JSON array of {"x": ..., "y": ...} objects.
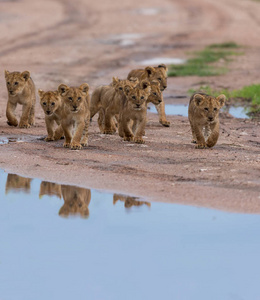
[
  {"x": 17, "y": 183},
  {"x": 129, "y": 201},
  {"x": 76, "y": 201},
  {"x": 50, "y": 189}
]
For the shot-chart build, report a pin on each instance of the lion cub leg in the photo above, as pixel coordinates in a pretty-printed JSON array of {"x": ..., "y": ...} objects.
[
  {"x": 201, "y": 144},
  {"x": 213, "y": 138},
  {"x": 58, "y": 134},
  {"x": 84, "y": 138},
  {"x": 109, "y": 123},
  {"x": 140, "y": 127},
  {"x": 11, "y": 119},
  {"x": 50, "y": 129},
  {"x": 67, "y": 133},
  {"x": 127, "y": 132},
  {"x": 32, "y": 112},
  {"x": 162, "y": 116},
  {"x": 24, "y": 122},
  {"x": 194, "y": 138},
  {"x": 75, "y": 143}
]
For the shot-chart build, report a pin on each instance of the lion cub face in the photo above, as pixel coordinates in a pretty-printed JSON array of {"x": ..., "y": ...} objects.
[
  {"x": 137, "y": 96},
  {"x": 156, "y": 93},
  {"x": 158, "y": 74},
  {"x": 209, "y": 106},
  {"x": 16, "y": 81},
  {"x": 119, "y": 84},
  {"x": 74, "y": 98},
  {"x": 50, "y": 101}
]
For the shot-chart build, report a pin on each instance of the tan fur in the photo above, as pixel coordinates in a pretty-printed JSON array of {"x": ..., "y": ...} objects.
[
  {"x": 129, "y": 201},
  {"x": 75, "y": 113},
  {"x": 133, "y": 111},
  {"x": 76, "y": 201},
  {"x": 17, "y": 183},
  {"x": 50, "y": 189},
  {"x": 154, "y": 74},
  {"x": 203, "y": 114},
  {"x": 21, "y": 90},
  {"x": 107, "y": 100},
  {"x": 52, "y": 107}
]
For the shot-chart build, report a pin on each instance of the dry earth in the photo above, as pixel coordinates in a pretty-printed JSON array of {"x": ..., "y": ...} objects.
[{"x": 77, "y": 41}]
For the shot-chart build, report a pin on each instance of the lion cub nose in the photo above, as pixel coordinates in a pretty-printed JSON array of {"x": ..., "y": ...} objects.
[
  {"x": 74, "y": 106},
  {"x": 48, "y": 112},
  {"x": 210, "y": 119}
]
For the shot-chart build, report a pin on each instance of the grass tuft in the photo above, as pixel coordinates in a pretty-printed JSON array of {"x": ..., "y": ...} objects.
[{"x": 203, "y": 62}]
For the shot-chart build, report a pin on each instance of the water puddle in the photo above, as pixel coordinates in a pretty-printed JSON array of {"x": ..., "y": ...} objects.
[
  {"x": 6, "y": 140},
  {"x": 66, "y": 242},
  {"x": 182, "y": 110},
  {"x": 125, "y": 39},
  {"x": 148, "y": 11},
  {"x": 162, "y": 60}
]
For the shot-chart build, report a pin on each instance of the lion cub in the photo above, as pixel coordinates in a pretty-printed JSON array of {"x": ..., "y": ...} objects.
[
  {"x": 133, "y": 111},
  {"x": 159, "y": 74},
  {"x": 75, "y": 114},
  {"x": 203, "y": 115},
  {"x": 52, "y": 107},
  {"x": 21, "y": 90}
]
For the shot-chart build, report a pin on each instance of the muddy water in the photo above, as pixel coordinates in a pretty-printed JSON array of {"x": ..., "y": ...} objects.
[{"x": 65, "y": 242}]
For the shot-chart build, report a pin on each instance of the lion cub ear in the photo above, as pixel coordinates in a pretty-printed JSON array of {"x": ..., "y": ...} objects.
[
  {"x": 198, "y": 99},
  {"x": 163, "y": 66},
  {"x": 6, "y": 73},
  {"x": 26, "y": 75},
  {"x": 62, "y": 89},
  {"x": 84, "y": 88},
  {"x": 40, "y": 93},
  {"x": 149, "y": 71},
  {"x": 115, "y": 81},
  {"x": 145, "y": 84},
  {"x": 221, "y": 99},
  {"x": 127, "y": 89}
]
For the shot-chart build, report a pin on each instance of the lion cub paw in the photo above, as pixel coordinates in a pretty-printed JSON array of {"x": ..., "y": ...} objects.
[
  {"x": 24, "y": 125},
  {"x": 128, "y": 138},
  {"x": 165, "y": 123},
  {"x": 13, "y": 123},
  {"x": 75, "y": 146},
  {"x": 49, "y": 139},
  {"x": 84, "y": 144},
  {"x": 108, "y": 131},
  {"x": 194, "y": 141},
  {"x": 201, "y": 146},
  {"x": 66, "y": 145},
  {"x": 139, "y": 140}
]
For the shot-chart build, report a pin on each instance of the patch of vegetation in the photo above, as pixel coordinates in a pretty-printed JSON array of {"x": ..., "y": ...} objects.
[
  {"x": 203, "y": 62},
  {"x": 249, "y": 94}
]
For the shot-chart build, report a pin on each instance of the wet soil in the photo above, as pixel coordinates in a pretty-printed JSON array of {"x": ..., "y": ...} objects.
[{"x": 86, "y": 41}]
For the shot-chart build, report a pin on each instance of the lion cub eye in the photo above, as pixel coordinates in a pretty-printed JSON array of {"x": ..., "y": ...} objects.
[
  {"x": 53, "y": 103},
  {"x": 16, "y": 83},
  {"x": 8, "y": 82},
  {"x": 215, "y": 108},
  {"x": 160, "y": 79},
  {"x": 142, "y": 97},
  {"x": 133, "y": 97},
  {"x": 44, "y": 103},
  {"x": 155, "y": 94},
  {"x": 120, "y": 88},
  {"x": 79, "y": 98},
  {"x": 206, "y": 109},
  {"x": 70, "y": 98}
]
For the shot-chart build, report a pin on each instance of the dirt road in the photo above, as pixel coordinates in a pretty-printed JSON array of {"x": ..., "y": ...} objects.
[{"x": 91, "y": 41}]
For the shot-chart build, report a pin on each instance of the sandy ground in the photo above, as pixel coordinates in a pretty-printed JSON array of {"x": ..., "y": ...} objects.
[{"x": 77, "y": 41}]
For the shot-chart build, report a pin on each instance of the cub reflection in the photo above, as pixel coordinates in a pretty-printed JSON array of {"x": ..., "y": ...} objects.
[
  {"x": 129, "y": 201},
  {"x": 17, "y": 183},
  {"x": 50, "y": 189},
  {"x": 76, "y": 201}
]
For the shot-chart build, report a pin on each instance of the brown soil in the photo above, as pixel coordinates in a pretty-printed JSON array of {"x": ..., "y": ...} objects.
[{"x": 79, "y": 41}]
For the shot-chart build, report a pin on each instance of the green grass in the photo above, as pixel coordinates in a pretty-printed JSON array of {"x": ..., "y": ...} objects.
[
  {"x": 249, "y": 94},
  {"x": 202, "y": 64}
]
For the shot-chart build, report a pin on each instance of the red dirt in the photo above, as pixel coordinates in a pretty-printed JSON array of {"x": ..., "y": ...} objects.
[{"x": 74, "y": 42}]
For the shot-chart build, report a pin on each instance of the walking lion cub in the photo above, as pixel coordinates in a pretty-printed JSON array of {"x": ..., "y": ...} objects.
[
  {"x": 203, "y": 115},
  {"x": 75, "y": 114},
  {"x": 21, "y": 90},
  {"x": 52, "y": 107}
]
